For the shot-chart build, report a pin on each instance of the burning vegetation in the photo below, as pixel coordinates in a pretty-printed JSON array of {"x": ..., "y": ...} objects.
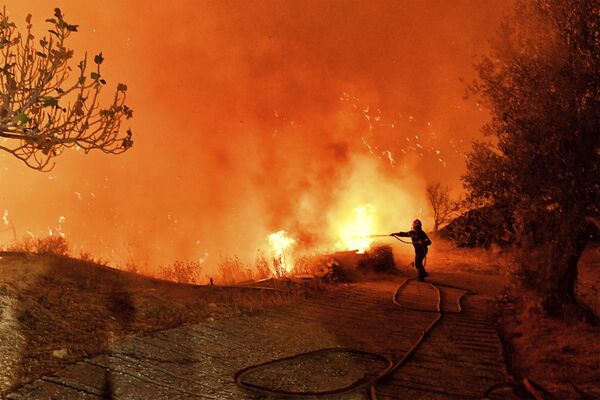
[{"x": 284, "y": 142}]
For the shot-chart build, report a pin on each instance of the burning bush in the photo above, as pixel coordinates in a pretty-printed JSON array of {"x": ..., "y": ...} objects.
[
  {"x": 379, "y": 259},
  {"x": 56, "y": 245},
  {"x": 183, "y": 272},
  {"x": 347, "y": 266},
  {"x": 263, "y": 270},
  {"x": 232, "y": 270},
  {"x": 325, "y": 267}
]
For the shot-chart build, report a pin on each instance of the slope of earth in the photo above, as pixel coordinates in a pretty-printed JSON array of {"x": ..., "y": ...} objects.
[
  {"x": 459, "y": 360},
  {"x": 57, "y": 310}
]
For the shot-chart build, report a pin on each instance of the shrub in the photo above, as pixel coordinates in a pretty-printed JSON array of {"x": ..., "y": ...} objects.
[
  {"x": 88, "y": 257},
  {"x": 132, "y": 267},
  {"x": 231, "y": 270},
  {"x": 279, "y": 270},
  {"x": 378, "y": 259},
  {"x": 481, "y": 227},
  {"x": 183, "y": 272},
  {"x": 56, "y": 245},
  {"x": 262, "y": 266},
  {"x": 325, "y": 267}
]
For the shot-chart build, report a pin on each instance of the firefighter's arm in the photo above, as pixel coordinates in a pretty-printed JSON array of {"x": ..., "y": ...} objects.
[{"x": 400, "y": 234}]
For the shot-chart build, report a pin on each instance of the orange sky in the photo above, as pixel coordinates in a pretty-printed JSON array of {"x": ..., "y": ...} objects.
[{"x": 254, "y": 116}]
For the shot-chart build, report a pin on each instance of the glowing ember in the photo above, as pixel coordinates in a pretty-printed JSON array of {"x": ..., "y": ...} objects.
[
  {"x": 279, "y": 242},
  {"x": 355, "y": 234}
]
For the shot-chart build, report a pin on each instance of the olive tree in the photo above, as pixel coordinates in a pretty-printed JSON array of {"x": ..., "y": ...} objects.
[
  {"x": 541, "y": 82},
  {"x": 48, "y": 103}
]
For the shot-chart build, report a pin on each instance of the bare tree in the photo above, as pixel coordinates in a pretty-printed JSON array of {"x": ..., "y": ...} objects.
[
  {"x": 442, "y": 206},
  {"x": 42, "y": 111}
]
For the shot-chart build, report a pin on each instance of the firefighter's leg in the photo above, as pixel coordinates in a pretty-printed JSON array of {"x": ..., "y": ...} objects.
[
  {"x": 425, "y": 274},
  {"x": 419, "y": 266}
]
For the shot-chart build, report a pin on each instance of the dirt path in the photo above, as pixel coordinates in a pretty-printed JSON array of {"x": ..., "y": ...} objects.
[{"x": 460, "y": 359}]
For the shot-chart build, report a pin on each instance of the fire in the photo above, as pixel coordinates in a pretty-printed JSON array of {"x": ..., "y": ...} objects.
[
  {"x": 280, "y": 242},
  {"x": 355, "y": 234}
]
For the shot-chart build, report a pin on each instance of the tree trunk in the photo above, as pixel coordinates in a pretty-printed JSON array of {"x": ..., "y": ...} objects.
[
  {"x": 559, "y": 286},
  {"x": 552, "y": 244},
  {"x": 560, "y": 272}
]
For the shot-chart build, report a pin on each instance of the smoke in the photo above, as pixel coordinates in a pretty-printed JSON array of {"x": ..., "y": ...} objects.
[{"x": 252, "y": 117}]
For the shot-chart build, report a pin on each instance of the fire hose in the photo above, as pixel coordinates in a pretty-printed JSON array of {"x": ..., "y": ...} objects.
[
  {"x": 360, "y": 384},
  {"x": 391, "y": 366},
  {"x": 531, "y": 388}
]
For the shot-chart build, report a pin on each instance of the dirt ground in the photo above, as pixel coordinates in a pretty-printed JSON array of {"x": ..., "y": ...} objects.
[
  {"x": 461, "y": 357},
  {"x": 55, "y": 310},
  {"x": 563, "y": 356}
]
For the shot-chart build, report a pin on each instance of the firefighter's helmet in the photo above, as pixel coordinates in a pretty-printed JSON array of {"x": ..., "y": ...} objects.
[{"x": 417, "y": 224}]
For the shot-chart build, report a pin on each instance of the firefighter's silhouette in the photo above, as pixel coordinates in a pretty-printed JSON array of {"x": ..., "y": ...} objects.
[{"x": 420, "y": 241}]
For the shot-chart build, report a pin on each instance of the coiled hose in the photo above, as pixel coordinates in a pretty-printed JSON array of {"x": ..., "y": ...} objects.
[{"x": 360, "y": 384}]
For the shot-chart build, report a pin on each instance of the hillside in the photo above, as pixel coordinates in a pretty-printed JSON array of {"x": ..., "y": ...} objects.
[{"x": 55, "y": 310}]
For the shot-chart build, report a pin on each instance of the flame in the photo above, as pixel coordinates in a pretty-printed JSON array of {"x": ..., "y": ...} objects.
[
  {"x": 280, "y": 241},
  {"x": 355, "y": 234}
]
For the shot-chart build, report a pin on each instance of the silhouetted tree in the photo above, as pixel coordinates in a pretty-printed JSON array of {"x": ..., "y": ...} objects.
[
  {"x": 42, "y": 111},
  {"x": 442, "y": 206},
  {"x": 541, "y": 82}
]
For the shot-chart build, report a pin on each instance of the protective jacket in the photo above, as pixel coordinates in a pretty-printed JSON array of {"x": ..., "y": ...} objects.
[{"x": 419, "y": 238}]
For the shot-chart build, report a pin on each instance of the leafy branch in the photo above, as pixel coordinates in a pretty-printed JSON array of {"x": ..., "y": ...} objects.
[{"x": 42, "y": 110}]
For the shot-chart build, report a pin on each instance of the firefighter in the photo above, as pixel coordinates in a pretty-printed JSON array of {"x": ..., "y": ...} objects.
[{"x": 420, "y": 241}]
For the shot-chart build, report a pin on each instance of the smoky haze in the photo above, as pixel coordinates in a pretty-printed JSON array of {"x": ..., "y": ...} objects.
[{"x": 252, "y": 117}]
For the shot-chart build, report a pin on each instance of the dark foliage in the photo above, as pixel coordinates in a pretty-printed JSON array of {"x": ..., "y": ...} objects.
[
  {"x": 541, "y": 82},
  {"x": 378, "y": 259},
  {"x": 481, "y": 227}
]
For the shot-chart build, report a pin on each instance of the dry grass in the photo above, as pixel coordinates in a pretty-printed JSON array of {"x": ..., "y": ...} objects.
[
  {"x": 556, "y": 353},
  {"x": 49, "y": 303}
]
